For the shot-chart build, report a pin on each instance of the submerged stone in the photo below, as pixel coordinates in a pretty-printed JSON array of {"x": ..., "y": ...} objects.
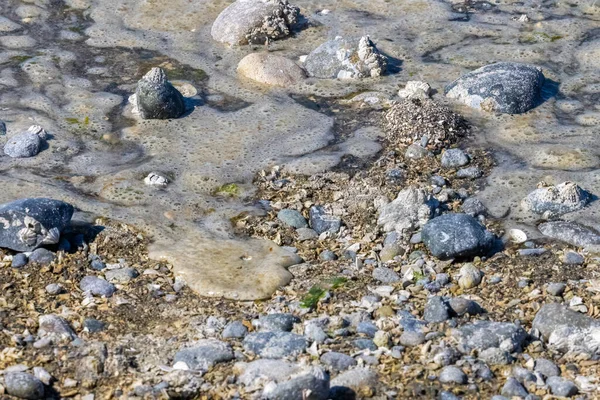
[
  {"x": 346, "y": 58},
  {"x": 30, "y": 223},
  {"x": 504, "y": 87},
  {"x": 271, "y": 69},
  {"x": 156, "y": 98},
  {"x": 26, "y": 144},
  {"x": 254, "y": 22}
]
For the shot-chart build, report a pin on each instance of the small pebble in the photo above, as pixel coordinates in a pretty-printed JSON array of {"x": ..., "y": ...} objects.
[{"x": 19, "y": 260}]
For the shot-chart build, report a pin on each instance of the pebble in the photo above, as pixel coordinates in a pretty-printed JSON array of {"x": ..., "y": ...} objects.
[
  {"x": 482, "y": 335},
  {"x": 321, "y": 222},
  {"x": 562, "y": 387},
  {"x": 390, "y": 251},
  {"x": 570, "y": 232},
  {"x": 306, "y": 234},
  {"x": 382, "y": 339},
  {"x": 43, "y": 375},
  {"x": 275, "y": 344},
  {"x": 19, "y": 260},
  {"x": 93, "y": 325},
  {"x": 573, "y": 258},
  {"x": 97, "y": 286},
  {"x": 531, "y": 252},
  {"x": 556, "y": 200},
  {"x": 453, "y": 374},
  {"x": 436, "y": 310},
  {"x": 438, "y": 180},
  {"x": 454, "y": 158},
  {"x": 54, "y": 288},
  {"x": 23, "y": 145},
  {"x": 412, "y": 338},
  {"x": 55, "y": 327},
  {"x": 42, "y": 256},
  {"x": 338, "y": 361},
  {"x": 556, "y": 289},
  {"x": 470, "y": 276},
  {"x": 292, "y": 218},
  {"x": 234, "y": 330},
  {"x": 315, "y": 381},
  {"x": 349, "y": 383},
  {"x": 474, "y": 207},
  {"x": 275, "y": 322},
  {"x": 442, "y": 278},
  {"x": 416, "y": 152},
  {"x": 121, "y": 275},
  {"x": 23, "y": 385},
  {"x": 156, "y": 98},
  {"x": 461, "y": 306},
  {"x": 204, "y": 354},
  {"x": 97, "y": 264},
  {"x": 385, "y": 275},
  {"x": 367, "y": 328},
  {"x": 327, "y": 255},
  {"x": 554, "y": 315},
  {"x": 512, "y": 388},
  {"x": 469, "y": 173},
  {"x": 546, "y": 367},
  {"x": 365, "y": 344}
]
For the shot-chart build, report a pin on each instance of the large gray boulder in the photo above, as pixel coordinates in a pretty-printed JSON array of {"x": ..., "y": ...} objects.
[
  {"x": 505, "y": 87},
  {"x": 30, "y": 223},
  {"x": 254, "y": 22},
  {"x": 346, "y": 58},
  {"x": 456, "y": 235},
  {"x": 156, "y": 98}
]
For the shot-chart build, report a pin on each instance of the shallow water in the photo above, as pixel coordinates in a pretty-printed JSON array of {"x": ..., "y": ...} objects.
[{"x": 71, "y": 65}]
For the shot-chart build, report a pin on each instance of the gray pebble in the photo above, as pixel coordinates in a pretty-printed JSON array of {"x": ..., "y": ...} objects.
[
  {"x": 321, "y": 222},
  {"x": 412, "y": 338},
  {"x": 438, "y": 180},
  {"x": 436, "y": 310},
  {"x": 275, "y": 344},
  {"x": 19, "y": 260},
  {"x": 121, "y": 275},
  {"x": 338, "y": 361},
  {"x": 453, "y": 374},
  {"x": 454, "y": 158},
  {"x": 416, "y": 152},
  {"x": 23, "y": 145},
  {"x": 442, "y": 278},
  {"x": 327, "y": 255},
  {"x": 235, "y": 330},
  {"x": 531, "y": 252},
  {"x": 97, "y": 286},
  {"x": 364, "y": 344},
  {"x": 367, "y": 328},
  {"x": 573, "y": 258},
  {"x": 93, "y": 325},
  {"x": 469, "y": 173},
  {"x": 275, "y": 322},
  {"x": 204, "y": 354},
  {"x": 292, "y": 218},
  {"x": 54, "y": 288},
  {"x": 556, "y": 289},
  {"x": 23, "y": 385},
  {"x": 562, "y": 387},
  {"x": 473, "y": 206},
  {"x": 512, "y": 388},
  {"x": 385, "y": 275},
  {"x": 546, "y": 367},
  {"x": 42, "y": 256},
  {"x": 306, "y": 234}
]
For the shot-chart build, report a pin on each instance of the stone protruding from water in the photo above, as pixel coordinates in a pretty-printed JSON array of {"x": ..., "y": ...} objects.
[
  {"x": 556, "y": 200},
  {"x": 26, "y": 144},
  {"x": 156, "y": 98},
  {"x": 346, "y": 58},
  {"x": 271, "y": 69},
  {"x": 510, "y": 88},
  {"x": 31, "y": 223},
  {"x": 255, "y": 22}
]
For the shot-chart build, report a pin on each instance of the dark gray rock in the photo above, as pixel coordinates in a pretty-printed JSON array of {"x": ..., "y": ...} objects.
[
  {"x": 346, "y": 58},
  {"x": 338, "y": 361},
  {"x": 121, "y": 275},
  {"x": 235, "y": 330},
  {"x": 436, "y": 310},
  {"x": 456, "y": 235},
  {"x": 204, "y": 354},
  {"x": 482, "y": 335},
  {"x": 25, "y": 144},
  {"x": 554, "y": 315},
  {"x": 2, "y": 128},
  {"x": 437, "y": 180},
  {"x": 573, "y": 258},
  {"x": 97, "y": 286},
  {"x": 275, "y": 322},
  {"x": 562, "y": 387},
  {"x": 469, "y": 173},
  {"x": 365, "y": 344},
  {"x": 461, "y": 306},
  {"x": 30, "y": 223},
  {"x": 570, "y": 232},
  {"x": 156, "y": 98},
  {"x": 23, "y": 386},
  {"x": 546, "y": 367},
  {"x": 442, "y": 278},
  {"x": 314, "y": 381},
  {"x": 504, "y": 87},
  {"x": 474, "y": 207},
  {"x": 19, "y": 260},
  {"x": 385, "y": 275},
  {"x": 93, "y": 325},
  {"x": 292, "y": 218},
  {"x": 321, "y": 222},
  {"x": 453, "y": 374},
  {"x": 454, "y": 158},
  {"x": 42, "y": 256},
  {"x": 253, "y": 22},
  {"x": 512, "y": 388},
  {"x": 275, "y": 344},
  {"x": 327, "y": 255},
  {"x": 367, "y": 328},
  {"x": 531, "y": 252},
  {"x": 97, "y": 264}
]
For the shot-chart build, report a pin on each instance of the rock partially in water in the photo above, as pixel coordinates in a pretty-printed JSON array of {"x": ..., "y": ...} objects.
[
  {"x": 254, "y": 22},
  {"x": 23, "y": 386},
  {"x": 30, "y": 223},
  {"x": 204, "y": 354},
  {"x": 271, "y": 69},
  {"x": 415, "y": 90},
  {"x": 456, "y": 235},
  {"x": 411, "y": 209},
  {"x": 26, "y": 144},
  {"x": 570, "y": 232},
  {"x": 275, "y": 344},
  {"x": 346, "y": 58},
  {"x": 504, "y": 87},
  {"x": 156, "y": 98},
  {"x": 557, "y": 200}
]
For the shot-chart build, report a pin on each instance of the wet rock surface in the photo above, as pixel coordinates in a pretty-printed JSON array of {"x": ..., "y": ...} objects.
[
  {"x": 156, "y": 98},
  {"x": 271, "y": 69}
]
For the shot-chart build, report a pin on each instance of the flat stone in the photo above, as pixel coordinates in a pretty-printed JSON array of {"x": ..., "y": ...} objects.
[
  {"x": 473, "y": 172},
  {"x": 495, "y": 356},
  {"x": 412, "y": 338},
  {"x": 275, "y": 322},
  {"x": 121, "y": 275},
  {"x": 55, "y": 327},
  {"x": 97, "y": 286},
  {"x": 573, "y": 258},
  {"x": 275, "y": 344},
  {"x": 482, "y": 335},
  {"x": 454, "y": 158},
  {"x": 321, "y": 222},
  {"x": 570, "y": 232},
  {"x": 532, "y": 252},
  {"x": 23, "y": 385},
  {"x": 306, "y": 234},
  {"x": 505, "y": 87},
  {"x": 292, "y": 218},
  {"x": 385, "y": 275},
  {"x": 30, "y": 223},
  {"x": 271, "y": 69},
  {"x": 249, "y": 21},
  {"x": 271, "y": 370},
  {"x": 204, "y": 354},
  {"x": 327, "y": 255},
  {"x": 453, "y": 374},
  {"x": 42, "y": 256},
  {"x": 337, "y": 361},
  {"x": 234, "y": 330},
  {"x": 512, "y": 388},
  {"x": 456, "y": 235}
]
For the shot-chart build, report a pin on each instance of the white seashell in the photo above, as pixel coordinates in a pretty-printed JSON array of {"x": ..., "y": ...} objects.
[
  {"x": 155, "y": 179},
  {"x": 517, "y": 236}
]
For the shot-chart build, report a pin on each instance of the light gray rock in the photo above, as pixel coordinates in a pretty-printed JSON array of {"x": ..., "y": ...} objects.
[
  {"x": 42, "y": 256},
  {"x": 573, "y": 258},
  {"x": 562, "y": 387},
  {"x": 55, "y": 327},
  {"x": 121, "y": 275},
  {"x": 337, "y": 361},
  {"x": 313, "y": 330},
  {"x": 346, "y": 58},
  {"x": 275, "y": 344},
  {"x": 512, "y": 388},
  {"x": 255, "y": 21},
  {"x": 30, "y": 223},
  {"x": 411, "y": 208},
  {"x": 292, "y": 218},
  {"x": 483, "y": 335},
  {"x": 156, "y": 98},
  {"x": 473, "y": 206},
  {"x": 546, "y": 367},
  {"x": 312, "y": 384},
  {"x": 97, "y": 286},
  {"x": 235, "y": 330},
  {"x": 385, "y": 275},
  {"x": 265, "y": 370},
  {"x": 23, "y": 386},
  {"x": 204, "y": 354},
  {"x": 453, "y": 374},
  {"x": 504, "y": 87},
  {"x": 416, "y": 152},
  {"x": 275, "y": 322},
  {"x": 456, "y": 235},
  {"x": 412, "y": 338},
  {"x": 570, "y": 232},
  {"x": 352, "y": 383},
  {"x": 552, "y": 316},
  {"x": 54, "y": 288},
  {"x": 306, "y": 234},
  {"x": 557, "y": 200},
  {"x": 271, "y": 69},
  {"x": 26, "y": 144},
  {"x": 556, "y": 289},
  {"x": 321, "y": 222},
  {"x": 495, "y": 356},
  {"x": 473, "y": 172},
  {"x": 454, "y": 158},
  {"x": 436, "y": 310}
]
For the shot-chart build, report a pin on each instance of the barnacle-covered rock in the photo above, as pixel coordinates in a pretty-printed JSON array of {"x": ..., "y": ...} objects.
[
  {"x": 156, "y": 98},
  {"x": 26, "y": 144},
  {"x": 556, "y": 200},
  {"x": 346, "y": 58},
  {"x": 30, "y": 223},
  {"x": 410, "y": 120},
  {"x": 415, "y": 89},
  {"x": 255, "y": 22}
]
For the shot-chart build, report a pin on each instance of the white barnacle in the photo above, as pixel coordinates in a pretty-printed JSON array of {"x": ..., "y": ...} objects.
[
  {"x": 415, "y": 89},
  {"x": 156, "y": 179},
  {"x": 52, "y": 236},
  {"x": 38, "y": 130},
  {"x": 29, "y": 234}
]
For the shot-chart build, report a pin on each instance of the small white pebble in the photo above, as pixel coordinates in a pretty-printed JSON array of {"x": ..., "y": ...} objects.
[
  {"x": 43, "y": 375},
  {"x": 180, "y": 365}
]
